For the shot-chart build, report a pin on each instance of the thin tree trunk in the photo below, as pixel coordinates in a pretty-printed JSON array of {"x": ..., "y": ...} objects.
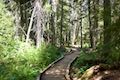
[
  {"x": 70, "y": 27},
  {"x": 107, "y": 25},
  {"x": 21, "y": 21},
  {"x": 61, "y": 28},
  {"x": 95, "y": 23},
  {"x": 30, "y": 25},
  {"x": 52, "y": 29},
  {"x": 81, "y": 34},
  {"x": 107, "y": 20},
  {"x": 17, "y": 23},
  {"x": 72, "y": 21},
  {"x": 39, "y": 17},
  {"x": 90, "y": 25},
  {"x": 74, "y": 35},
  {"x": 54, "y": 4}
]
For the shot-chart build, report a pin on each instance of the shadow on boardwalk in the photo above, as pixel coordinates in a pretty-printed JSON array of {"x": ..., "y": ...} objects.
[{"x": 58, "y": 71}]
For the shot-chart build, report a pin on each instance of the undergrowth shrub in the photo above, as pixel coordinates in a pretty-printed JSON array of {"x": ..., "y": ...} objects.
[
  {"x": 85, "y": 61},
  {"x": 18, "y": 61},
  {"x": 113, "y": 58},
  {"x": 85, "y": 58},
  {"x": 24, "y": 63}
]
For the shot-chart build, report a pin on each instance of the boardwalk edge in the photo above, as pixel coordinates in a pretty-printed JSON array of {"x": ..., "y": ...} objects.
[
  {"x": 67, "y": 75},
  {"x": 49, "y": 66}
]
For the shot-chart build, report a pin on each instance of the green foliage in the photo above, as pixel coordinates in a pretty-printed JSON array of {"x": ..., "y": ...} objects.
[
  {"x": 47, "y": 7},
  {"x": 24, "y": 63},
  {"x": 6, "y": 24},
  {"x": 85, "y": 61},
  {"x": 85, "y": 58},
  {"x": 113, "y": 58},
  {"x": 18, "y": 61},
  {"x": 84, "y": 68},
  {"x": 113, "y": 47}
]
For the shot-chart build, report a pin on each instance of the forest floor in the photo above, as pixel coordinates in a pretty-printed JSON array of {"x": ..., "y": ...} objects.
[
  {"x": 58, "y": 70},
  {"x": 107, "y": 75},
  {"x": 100, "y": 75}
]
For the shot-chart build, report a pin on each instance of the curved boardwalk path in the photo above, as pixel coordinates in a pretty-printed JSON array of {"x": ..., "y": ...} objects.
[{"x": 57, "y": 72}]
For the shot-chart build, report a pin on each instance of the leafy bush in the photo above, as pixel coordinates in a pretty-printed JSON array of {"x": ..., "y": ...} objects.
[
  {"x": 18, "y": 61},
  {"x": 114, "y": 55},
  {"x": 6, "y": 24},
  {"x": 24, "y": 63},
  {"x": 85, "y": 58},
  {"x": 85, "y": 61},
  {"x": 113, "y": 58}
]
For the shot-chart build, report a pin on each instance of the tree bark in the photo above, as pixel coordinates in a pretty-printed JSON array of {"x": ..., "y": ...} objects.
[
  {"x": 107, "y": 25},
  {"x": 95, "y": 22},
  {"x": 107, "y": 20},
  {"x": 61, "y": 28},
  {"x": 54, "y": 4},
  {"x": 90, "y": 24},
  {"x": 17, "y": 21},
  {"x": 81, "y": 34},
  {"x": 30, "y": 24},
  {"x": 39, "y": 18}
]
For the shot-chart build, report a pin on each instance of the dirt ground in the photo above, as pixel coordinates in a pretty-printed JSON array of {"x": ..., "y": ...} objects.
[
  {"x": 107, "y": 75},
  {"x": 101, "y": 75}
]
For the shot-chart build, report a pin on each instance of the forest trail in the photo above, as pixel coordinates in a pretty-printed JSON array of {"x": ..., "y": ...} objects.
[{"x": 58, "y": 71}]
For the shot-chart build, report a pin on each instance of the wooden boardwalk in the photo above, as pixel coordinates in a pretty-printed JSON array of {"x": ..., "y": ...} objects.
[{"x": 58, "y": 70}]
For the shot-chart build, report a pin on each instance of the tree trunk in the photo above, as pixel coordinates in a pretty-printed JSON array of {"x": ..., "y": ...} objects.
[
  {"x": 30, "y": 24},
  {"x": 95, "y": 23},
  {"x": 54, "y": 4},
  {"x": 73, "y": 22},
  {"x": 81, "y": 34},
  {"x": 61, "y": 28},
  {"x": 21, "y": 21},
  {"x": 90, "y": 24},
  {"x": 107, "y": 24},
  {"x": 17, "y": 22},
  {"x": 39, "y": 17}
]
